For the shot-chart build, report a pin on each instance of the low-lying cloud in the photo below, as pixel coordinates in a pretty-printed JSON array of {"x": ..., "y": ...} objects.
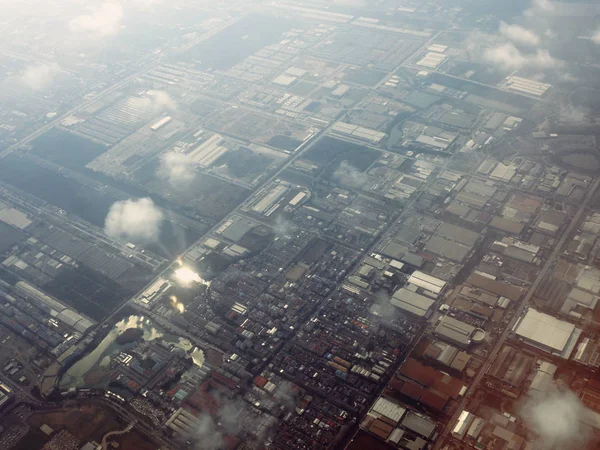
[
  {"x": 508, "y": 57},
  {"x": 154, "y": 101},
  {"x": 519, "y": 34},
  {"x": 176, "y": 168},
  {"x": 100, "y": 21},
  {"x": 162, "y": 100},
  {"x": 540, "y": 7},
  {"x": 348, "y": 175},
  {"x": 559, "y": 418},
  {"x": 207, "y": 436},
  {"x": 233, "y": 419},
  {"x": 284, "y": 227},
  {"x": 574, "y": 115},
  {"x": 351, "y": 3},
  {"x": 134, "y": 220},
  {"x": 39, "y": 76},
  {"x": 596, "y": 37}
]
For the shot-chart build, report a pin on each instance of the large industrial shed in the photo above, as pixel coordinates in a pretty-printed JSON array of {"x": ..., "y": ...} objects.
[{"x": 547, "y": 333}]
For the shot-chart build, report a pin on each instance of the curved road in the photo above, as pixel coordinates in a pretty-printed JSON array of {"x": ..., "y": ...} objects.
[{"x": 115, "y": 433}]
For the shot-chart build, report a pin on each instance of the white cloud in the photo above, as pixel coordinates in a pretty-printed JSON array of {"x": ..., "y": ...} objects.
[
  {"x": 575, "y": 115},
  {"x": 207, "y": 436},
  {"x": 284, "y": 227},
  {"x": 348, "y": 175},
  {"x": 103, "y": 20},
  {"x": 155, "y": 101},
  {"x": 508, "y": 57},
  {"x": 519, "y": 34},
  {"x": 162, "y": 100},
  {"x": 176, "y": 168},
  {"x": 351, "y": 3},
  {"x": 134, "y": 220},
  {"x": 544, "y": 5},
  {"x": 539, "y": 7},
  {"x": 39, "y": 76},
  {"x": 596, "y": 37},
  {"x": 559, "y": 419}
]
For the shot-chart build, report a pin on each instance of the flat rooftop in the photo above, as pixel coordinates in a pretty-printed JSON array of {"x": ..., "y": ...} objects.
[{"x": 545, "y": 330}]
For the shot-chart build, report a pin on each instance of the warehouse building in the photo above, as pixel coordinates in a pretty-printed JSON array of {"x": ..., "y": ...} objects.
[
  {"x": 506, "y": 225},
  {"x": 458, "y": 234},
  {"x": 419, "y": 424},
  {"x": 578, "y": 303},
  {"x": 13, "y": 217},
  {"x": 5, "y": 394},
  {"x": 161, "y": 123},
  {"x": 458, "y": 332},
  {"x": 432, "y": 60},
  {"x": 183, "y": 423},
  {"x": 547, "y": 333},
  {"x": 527, "y": 86},
  {"x": 427, "y": 282},
  {"x": 447, "y": 249},
  {"x": 409, "y": 301},
  {"x": 357, "y": 132},
  {"x": 551, "y": 221},
  {"x": 495, "y": 287},
  {"x": 54, "y": 307},
  {"x": 447, "y": 355},
  {"x": 284, "y": 80},
  {"x": 439, "y": 141},
  {"x": 462, "y": 424},
  {"x": 503, "y": 172},
  {"x": 516, "y": 249},
  {"x": 153, "y": 293},
  {"x": 388, "y": 409}
]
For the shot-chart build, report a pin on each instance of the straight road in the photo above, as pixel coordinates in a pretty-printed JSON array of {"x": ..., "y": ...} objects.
[
  {"x": 299, "y": 152},
  {"x": 519, "y": 311}
]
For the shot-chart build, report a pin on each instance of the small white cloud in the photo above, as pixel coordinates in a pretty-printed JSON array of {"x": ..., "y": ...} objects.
[
  {"x": 544, "y": 5},
  {"x": 539, "y": 7},
  {"x": 508, "y": 57},
  {"x": 574, "y": 115},
  {"x": 134, "y": 220},
  {"x": 39, "y": 76},
  {"x": 176, "y": 168},
  {"x": 103, "y": 20},
  {"x": 351, "y": 3},
  {"x": 155, "y": 101},
  {"x": 559, "y": 418},
  {"x": 284, "y": 227},
  {"x": 162, "y": 100},
  {"x": 596, "y": 37},
  {"x": 348, "y": 175},
  {"x": 519, "y": 34}
]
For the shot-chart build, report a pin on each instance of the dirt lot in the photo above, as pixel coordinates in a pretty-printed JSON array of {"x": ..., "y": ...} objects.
[
  {"x": 86, "y": 423},
  {"x": 132, "y": 441}
]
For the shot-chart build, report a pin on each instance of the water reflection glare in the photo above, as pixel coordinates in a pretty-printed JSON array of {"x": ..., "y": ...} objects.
[
  {"x": 187, "y": 277},
  {"x": 180, "y": 307}
]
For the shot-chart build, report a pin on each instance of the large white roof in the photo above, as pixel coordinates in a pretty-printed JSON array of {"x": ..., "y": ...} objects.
[
  {"x": 545, "y": 330},
  {"x": 426, "y": 281},
  {"x": 412, "y": 302},
  {"x": 389, "y": 409}
]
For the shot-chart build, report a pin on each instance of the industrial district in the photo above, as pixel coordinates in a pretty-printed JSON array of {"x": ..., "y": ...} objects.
[{"x": 360, "y": 225}]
